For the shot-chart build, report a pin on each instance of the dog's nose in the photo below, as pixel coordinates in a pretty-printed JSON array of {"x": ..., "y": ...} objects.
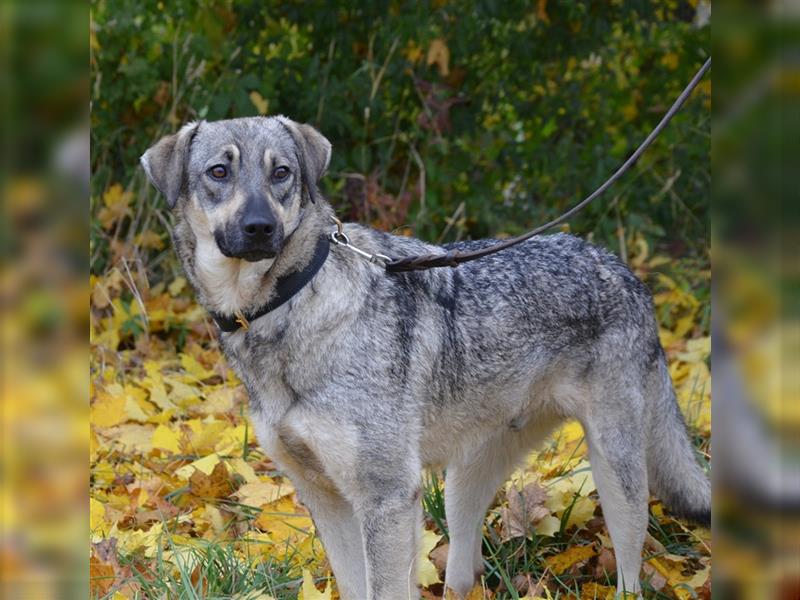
[{"x": 258, "y": 227}]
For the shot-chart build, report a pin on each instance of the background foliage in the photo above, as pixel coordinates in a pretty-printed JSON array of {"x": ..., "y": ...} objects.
[{"x": 450, "y": 119}]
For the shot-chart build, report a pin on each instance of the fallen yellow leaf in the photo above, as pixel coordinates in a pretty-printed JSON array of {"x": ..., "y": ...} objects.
[
  {"x": 240, "y": 467},
  {"x": 284, "y": 521},
  {"x": 426, "y": 570},
  {"x": 309, "y": 590},
  {"x": 108, "y": 410},
  {"x": 205, "y": 465},
  {"x": 97, "y": 517},
  {"x": 548, "y": 526},
  {"x": 595, "y": 591},
  {"x": 166, "y": 439},
  {"x": 259, "y": 493},
  {"x": 564, "y": 560},
  {"x": 581, "y": 511}
]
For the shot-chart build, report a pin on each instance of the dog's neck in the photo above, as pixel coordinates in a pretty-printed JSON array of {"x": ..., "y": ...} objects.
[{"x": 230, "y": 285}]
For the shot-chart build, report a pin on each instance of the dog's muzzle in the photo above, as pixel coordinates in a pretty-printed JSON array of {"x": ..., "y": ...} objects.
[
  {"x": 255, "y": 235},
  {"x": 253, "y": 241}
]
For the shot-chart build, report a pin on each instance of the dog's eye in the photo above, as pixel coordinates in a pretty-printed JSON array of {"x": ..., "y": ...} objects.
[
  {"x": 280, "y": 173},
  {"x": 218, "y": 172}
]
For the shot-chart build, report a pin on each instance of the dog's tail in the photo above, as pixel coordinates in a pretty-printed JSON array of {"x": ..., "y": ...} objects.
[{"x": 675, "y": 474}]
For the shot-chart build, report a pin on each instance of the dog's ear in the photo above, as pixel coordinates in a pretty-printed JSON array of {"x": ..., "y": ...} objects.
[
  {"x": 165, "y": 163},
  {"x": 314, "y": 153}
]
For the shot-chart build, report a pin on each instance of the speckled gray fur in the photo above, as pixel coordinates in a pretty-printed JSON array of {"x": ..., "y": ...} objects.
[{"x": 365, "y": 378}]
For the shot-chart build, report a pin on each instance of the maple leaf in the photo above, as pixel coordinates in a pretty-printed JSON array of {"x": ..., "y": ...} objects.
[
  {"x": 217, "y": 484},
  {"x": 108, "y": 410},
  {"x": 205, "y": 465},
  {"x": 525, "y": 507},
  {"x": 97, "y": 517},
  {"x": 548, "y": 526},
  {"x": 476, "y": 593}
]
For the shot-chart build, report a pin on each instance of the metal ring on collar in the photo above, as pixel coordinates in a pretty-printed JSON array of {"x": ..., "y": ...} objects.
[{"x": 339, "y": 237}]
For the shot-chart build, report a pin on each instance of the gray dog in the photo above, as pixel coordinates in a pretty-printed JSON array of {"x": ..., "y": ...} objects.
[{"x": 359, "y": 379}]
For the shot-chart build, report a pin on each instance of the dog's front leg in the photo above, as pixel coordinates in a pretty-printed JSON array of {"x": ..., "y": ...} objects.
[
  {"x": 340, "y": 533},
  {"x": 391, "y": 520}
]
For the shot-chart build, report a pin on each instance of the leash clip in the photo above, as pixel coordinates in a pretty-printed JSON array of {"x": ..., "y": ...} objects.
[{"x": 339, "y": 238}]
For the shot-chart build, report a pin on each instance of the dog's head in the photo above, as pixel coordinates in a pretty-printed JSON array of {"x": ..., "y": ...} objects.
[{"x": 243, "y": 182}]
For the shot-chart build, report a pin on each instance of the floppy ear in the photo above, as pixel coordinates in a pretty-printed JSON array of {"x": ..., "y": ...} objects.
[
  {"x": 314, "y": 153},
  {"x": 165, "y": 163}
]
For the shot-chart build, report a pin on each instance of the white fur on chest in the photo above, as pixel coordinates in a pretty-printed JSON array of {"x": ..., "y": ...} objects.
[{"x": 229, "y": 284}]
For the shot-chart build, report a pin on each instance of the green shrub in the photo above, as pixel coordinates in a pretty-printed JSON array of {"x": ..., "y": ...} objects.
[{"x": 452, "y": 119}]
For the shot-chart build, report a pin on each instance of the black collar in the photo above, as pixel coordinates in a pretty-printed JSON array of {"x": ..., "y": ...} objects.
[{"x": 285, "y": 288}]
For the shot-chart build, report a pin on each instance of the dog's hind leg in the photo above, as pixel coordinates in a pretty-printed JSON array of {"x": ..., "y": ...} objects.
[
  {"x": 470, "y": 486},
  {"x": 615, "y": 431}
]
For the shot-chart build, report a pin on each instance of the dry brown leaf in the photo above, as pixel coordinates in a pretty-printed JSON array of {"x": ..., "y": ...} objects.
[
  {"x": 216, "y": 485},
  {"x": 606, "y": 564},
  {"x": 197, "y": 576},
  {"x": 438, "y": 557},
  {"x": 101, "y": 577},
  {"x": 525, "y": 508},
  {"x": 657, "y": 580}
]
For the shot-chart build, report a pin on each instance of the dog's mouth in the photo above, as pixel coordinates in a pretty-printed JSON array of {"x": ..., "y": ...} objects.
[
  {"x": 254, "y": 255},
  {"x": 244, "y": 252}
]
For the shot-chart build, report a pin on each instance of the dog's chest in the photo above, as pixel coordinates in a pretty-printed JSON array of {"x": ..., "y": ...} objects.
[
  {"x": 277, "y": 368},
  {"x": 261, "y": 365}
]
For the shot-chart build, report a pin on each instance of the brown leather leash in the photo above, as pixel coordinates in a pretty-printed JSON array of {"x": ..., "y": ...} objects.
[{"x": 453, "y": 258}]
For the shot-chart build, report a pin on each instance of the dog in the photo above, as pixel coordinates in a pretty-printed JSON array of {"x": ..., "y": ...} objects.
[{"x": 359, "y": 379}]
